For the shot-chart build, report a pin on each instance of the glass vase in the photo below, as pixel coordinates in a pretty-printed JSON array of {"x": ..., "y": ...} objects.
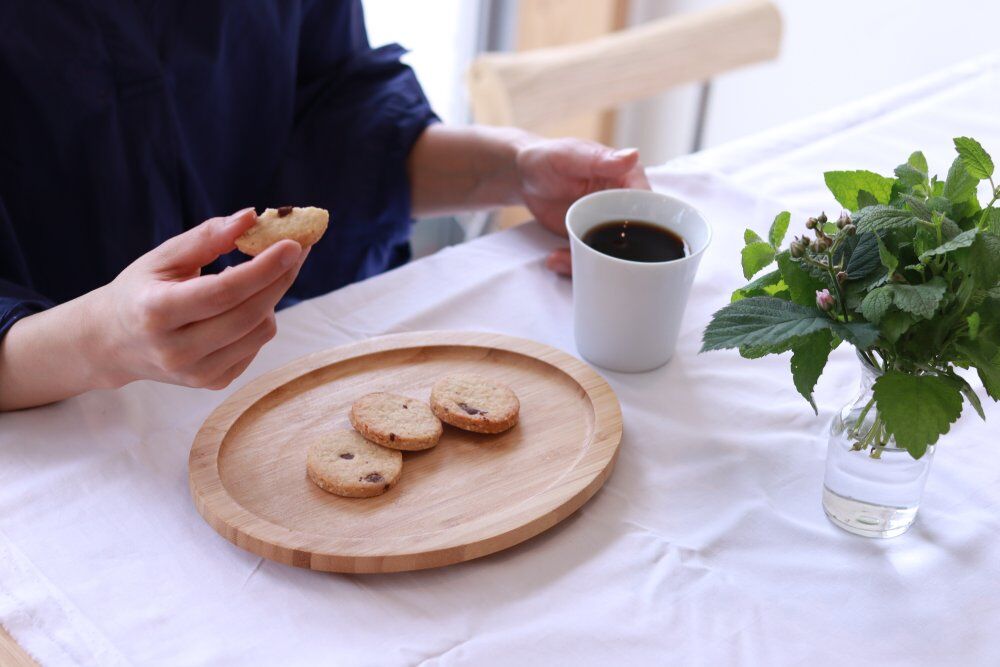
[{"x": 870, "y": 491}]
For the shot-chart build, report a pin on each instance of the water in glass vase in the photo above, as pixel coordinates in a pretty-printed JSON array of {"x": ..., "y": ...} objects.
[{"x": 875, "y": 497}]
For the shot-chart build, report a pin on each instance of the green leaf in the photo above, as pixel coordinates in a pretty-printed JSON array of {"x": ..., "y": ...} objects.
[
  {"x": 917, "y": 409},
  {"x": 762, "y": 321},
  {"x": 963, "y": 240},
  {"x": 992, "y": 220},
  {"x": 874, "y": 218},
  {"x": 865, "y": 199},
  {"x": 863, "y": 260},
  {"x": 919, "y": 300},
  {"x": 982, "y": 259},
  {"x": 779, "y": 228},
  {"x": 985, "y": 356},
  {"x": 750, "y": 236},
  {"x": 967, "y": 391},
  {"x": 918, "y": 161},
  {"x": 757, "y": 287},
  {"x": 918, "y": 207},
  {"x": 876, "y": 304},
  {"x": 939, "y": 205},
  {"x": 909, "y": 177},
  {"x": 802, "y": 285},
  {"x": 861, "y": 335},
  {"x": 977, "y": 161},
  {"x": 894, "y": 324},
  {"x": 960, "y": 184},
  {"x": 809, "y": 356},
  {"x": 887, "y": 259},
  {"x": 755, "y": 257},
  {"x": 845, "y": 186},
  {"x": 974, "y": 320},
  {"x": 753, "y": 352}
]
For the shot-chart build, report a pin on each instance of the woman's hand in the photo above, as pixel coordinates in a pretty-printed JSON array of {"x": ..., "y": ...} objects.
[
  {"x": 164, "y": 321},
  {"x": 160, "y": 319},
  {"x": 456, "y": 169},
  {"x": 555, "y": 173}
]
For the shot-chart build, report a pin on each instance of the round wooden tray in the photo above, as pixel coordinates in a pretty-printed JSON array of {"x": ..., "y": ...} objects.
[{"x": 469, "y": 496}]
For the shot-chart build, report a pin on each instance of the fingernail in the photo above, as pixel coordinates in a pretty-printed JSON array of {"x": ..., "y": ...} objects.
[
  {"x": 232, "y": 219},
  {"x": 622, "y": 153}
]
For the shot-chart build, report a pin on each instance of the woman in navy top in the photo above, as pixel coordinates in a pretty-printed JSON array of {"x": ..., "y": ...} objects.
[{"x": 128, "y": 127}]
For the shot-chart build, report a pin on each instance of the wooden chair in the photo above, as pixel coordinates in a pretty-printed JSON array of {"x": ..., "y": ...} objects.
[{"x": 540, "y": 89}]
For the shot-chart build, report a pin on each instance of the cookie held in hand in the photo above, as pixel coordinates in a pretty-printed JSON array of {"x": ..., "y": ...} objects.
[
  {"x": 343, "y": 463},
  {"x": 304, "y": 225},
  {"x": 396, "y": 421},
  {"x": 475, "y": 403}
]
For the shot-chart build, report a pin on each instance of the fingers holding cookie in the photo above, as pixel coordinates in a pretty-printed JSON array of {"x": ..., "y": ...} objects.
[{"x": 304, "y": 225}]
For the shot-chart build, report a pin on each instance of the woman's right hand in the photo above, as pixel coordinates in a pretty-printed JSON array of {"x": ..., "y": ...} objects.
[{"x": 160, "y": 319}]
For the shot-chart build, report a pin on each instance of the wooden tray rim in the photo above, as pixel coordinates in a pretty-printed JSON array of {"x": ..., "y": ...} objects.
[{"x": 251, "y": 531}]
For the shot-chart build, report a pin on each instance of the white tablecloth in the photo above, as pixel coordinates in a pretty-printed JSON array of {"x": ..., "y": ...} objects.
[{"x": 707, "y": 545}]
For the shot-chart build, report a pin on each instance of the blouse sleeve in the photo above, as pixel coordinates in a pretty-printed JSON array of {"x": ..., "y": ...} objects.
[
  {"x": 17, "y": 299},
  {"x": 358, "y": 111}
]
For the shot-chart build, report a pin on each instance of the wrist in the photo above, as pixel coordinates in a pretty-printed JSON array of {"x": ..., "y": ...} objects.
[
  {"x": 93, "y": 347},
  {"x": 500, "y": 178}
]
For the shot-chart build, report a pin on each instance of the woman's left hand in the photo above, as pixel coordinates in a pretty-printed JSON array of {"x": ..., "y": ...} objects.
[{"x": 555, "y": 173}]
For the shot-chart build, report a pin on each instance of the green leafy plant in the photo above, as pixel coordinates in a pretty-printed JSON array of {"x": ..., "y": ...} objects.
[{"x": 909, "y": 274}]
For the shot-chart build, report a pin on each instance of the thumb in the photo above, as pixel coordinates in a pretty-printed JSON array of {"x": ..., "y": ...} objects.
[
  {"x": 197, "y": 247},
  {"x": 615, "y": 164}
]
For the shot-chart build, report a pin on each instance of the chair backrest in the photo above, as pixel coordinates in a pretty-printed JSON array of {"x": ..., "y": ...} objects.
[{"x": 530, "y": 89}]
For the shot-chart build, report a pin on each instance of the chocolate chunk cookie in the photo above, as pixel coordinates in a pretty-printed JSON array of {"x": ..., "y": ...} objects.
[
  {"x": 343, "y": 463},
  {"x": 304, "y": 225},
  {"x": 475, "y": 403},
  {"x": 396, "y": 421}
]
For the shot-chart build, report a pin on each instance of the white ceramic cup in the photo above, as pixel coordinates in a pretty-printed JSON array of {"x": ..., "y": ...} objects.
[{"x": 627, "y": 315}]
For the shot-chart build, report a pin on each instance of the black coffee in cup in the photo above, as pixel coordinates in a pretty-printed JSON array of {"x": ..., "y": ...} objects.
[{"x": 636, "y": 241}]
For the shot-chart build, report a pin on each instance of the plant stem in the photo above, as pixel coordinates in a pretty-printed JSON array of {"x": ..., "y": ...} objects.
[
  {"x": 996, "y": 196},
  {"x": 861, "y": 417},
  {"x": 836, "y": 286}
]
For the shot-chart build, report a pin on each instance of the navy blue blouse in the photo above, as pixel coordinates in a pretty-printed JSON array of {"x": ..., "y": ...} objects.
[{"x": 126, "y": 122}]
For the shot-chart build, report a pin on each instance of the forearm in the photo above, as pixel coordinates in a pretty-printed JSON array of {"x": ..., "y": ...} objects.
[
  {"x": 49, "y": 356},
  {"x": 465, "y": 168}
]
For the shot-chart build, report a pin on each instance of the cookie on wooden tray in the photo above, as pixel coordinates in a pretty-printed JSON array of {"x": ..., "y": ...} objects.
[
  {"x": 304, "y": 225},
  {"x": 396, "y": 421},
  {"x": 475, "y": 403},
  {"x": 343, "y": 463}
]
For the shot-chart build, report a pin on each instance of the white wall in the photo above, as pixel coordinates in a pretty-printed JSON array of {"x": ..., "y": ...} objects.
[
  {"x": 833, "y": 51},
  {"x": 441, "y": 36}
]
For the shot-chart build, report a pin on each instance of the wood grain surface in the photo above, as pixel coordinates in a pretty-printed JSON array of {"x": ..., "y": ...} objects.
[
  {"x": 11, "y": 654},
  {"x": 533, "y": 88},
  {"x": 470, "y": 496}
]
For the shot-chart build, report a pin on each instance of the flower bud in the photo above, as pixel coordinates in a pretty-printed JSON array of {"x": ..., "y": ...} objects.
[
  {"x": 824, "y": 300},
  {"x": 842, "y": 277},
  {"x": 796, "y": 249},
  {"x": 850, "y": 230},
  {"x": 822, "y": 218},
  {"x": 805, "y": 242},
  {"x": 844, "y": 220},
  {"x": 811, "y": 223}
]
